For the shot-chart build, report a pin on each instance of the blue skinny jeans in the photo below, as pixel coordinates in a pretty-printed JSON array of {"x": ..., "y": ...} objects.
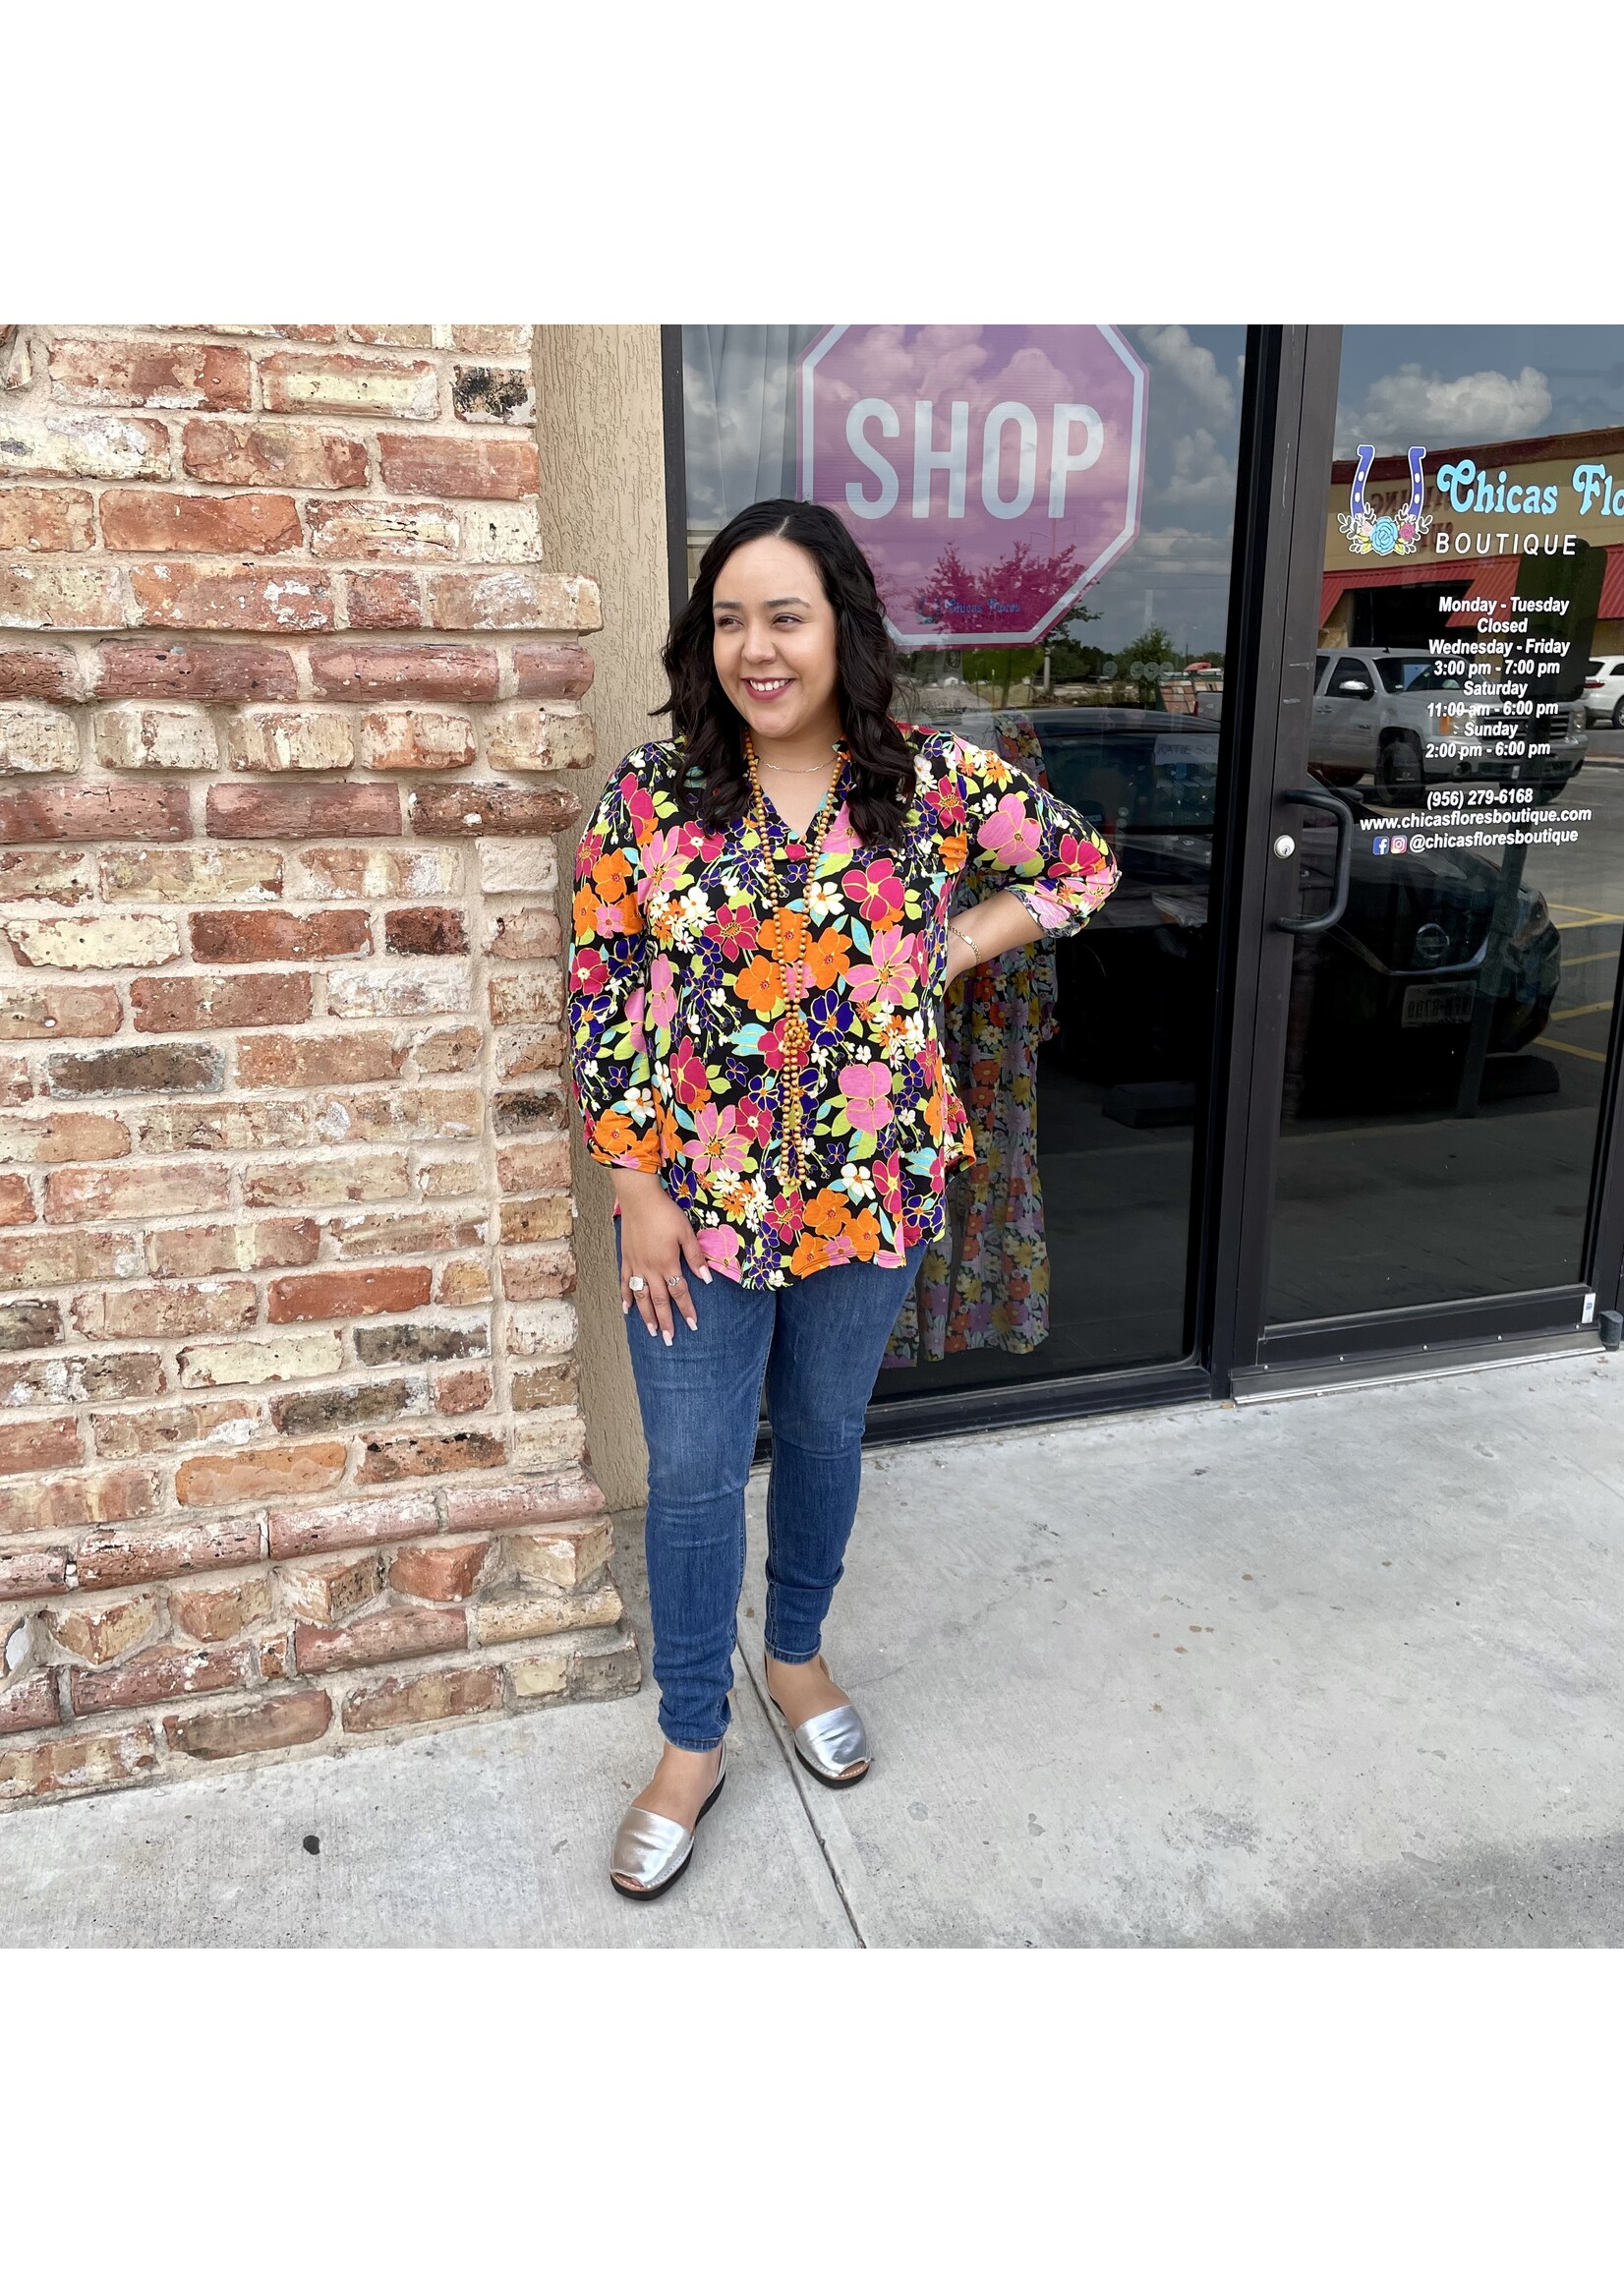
[{"x": 817, "y": 1344}]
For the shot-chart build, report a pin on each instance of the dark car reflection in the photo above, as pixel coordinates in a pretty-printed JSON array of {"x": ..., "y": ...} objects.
[{"x": 1382, "y": 1004}]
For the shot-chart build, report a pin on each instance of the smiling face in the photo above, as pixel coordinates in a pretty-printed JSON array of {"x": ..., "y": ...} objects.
[{"x": 774, "y": 645}]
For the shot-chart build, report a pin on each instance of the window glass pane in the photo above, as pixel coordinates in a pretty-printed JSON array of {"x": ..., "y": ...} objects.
[{"x": 1050, "y": 513}]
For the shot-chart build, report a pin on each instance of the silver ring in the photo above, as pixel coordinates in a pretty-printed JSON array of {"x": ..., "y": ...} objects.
[
  {"x": 675, "y": 1279},
  {"x": 636, "y": 1285}
]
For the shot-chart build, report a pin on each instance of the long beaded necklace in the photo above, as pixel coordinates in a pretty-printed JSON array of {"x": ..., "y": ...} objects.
[{"x": 791, "y": 962}]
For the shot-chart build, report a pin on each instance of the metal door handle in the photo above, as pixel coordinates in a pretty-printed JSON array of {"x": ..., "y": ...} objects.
[{"x": 1344, "y": 861}]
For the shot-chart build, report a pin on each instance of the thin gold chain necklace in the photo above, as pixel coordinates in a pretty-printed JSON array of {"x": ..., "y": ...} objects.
[{"x": 791, "y": 962}]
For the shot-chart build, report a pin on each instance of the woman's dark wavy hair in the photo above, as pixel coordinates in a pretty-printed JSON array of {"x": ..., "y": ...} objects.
[{"x": 712, "y": 731}]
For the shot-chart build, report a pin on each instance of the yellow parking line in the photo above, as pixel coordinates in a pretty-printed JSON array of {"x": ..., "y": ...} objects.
[
  {"x": 1550, "y": 1042},
  {"x": 1582, "y": 1009},
  {"x": 1586, "y": 924},
  {"x": 1604, "y": 955},
  {"x": 1573, "y": 908}
]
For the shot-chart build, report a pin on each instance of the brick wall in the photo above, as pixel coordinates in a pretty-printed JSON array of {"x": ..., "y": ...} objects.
[{"x": 289, "y": 1448}]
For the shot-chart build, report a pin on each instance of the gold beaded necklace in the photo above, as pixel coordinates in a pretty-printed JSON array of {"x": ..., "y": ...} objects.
[{"x": 783, "y": 927}]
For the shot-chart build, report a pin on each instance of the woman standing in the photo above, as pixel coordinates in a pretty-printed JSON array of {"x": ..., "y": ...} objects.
[{"x": 764, "y": 926}]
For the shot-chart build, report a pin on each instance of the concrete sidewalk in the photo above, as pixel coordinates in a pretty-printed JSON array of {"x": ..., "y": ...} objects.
[{"x": 1338, "y": 1669}]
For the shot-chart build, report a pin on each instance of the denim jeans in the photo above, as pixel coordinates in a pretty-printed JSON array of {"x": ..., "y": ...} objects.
[{"x": 818, "y": 1345}]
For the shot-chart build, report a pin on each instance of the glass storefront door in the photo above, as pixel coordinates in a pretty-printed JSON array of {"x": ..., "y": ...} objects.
[
  {"x": 1050, "y": 512},
  {"x": 1448, "y": 1014}
]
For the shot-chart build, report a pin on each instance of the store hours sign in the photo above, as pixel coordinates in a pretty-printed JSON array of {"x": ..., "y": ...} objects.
[{"x": 990, "y": 471}]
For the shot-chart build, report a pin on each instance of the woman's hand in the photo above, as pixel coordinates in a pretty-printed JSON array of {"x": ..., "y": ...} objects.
[{"x": 656, "y": 1241}]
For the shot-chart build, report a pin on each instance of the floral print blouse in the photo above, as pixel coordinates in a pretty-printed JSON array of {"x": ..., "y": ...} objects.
[{"x": 675, "y": 1012}]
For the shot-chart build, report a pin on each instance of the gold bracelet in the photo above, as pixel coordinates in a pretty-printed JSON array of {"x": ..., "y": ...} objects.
[{"x": 968, "y": 942}]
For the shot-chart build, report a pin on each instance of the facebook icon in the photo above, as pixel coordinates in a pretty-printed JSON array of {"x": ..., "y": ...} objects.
[{"x": 1378, "y": 844}]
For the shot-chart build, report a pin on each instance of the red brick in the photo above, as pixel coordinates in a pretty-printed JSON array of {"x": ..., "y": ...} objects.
[
  {"x": 510, "y": 1507},
  {"x": 438, "y": 466},
  {"x": 540, "y": 1276},
  {"x": 218, "y": 1613},
  {"x": 16, "y": 1074},
  {"x": 486, "y": 810},
  {"x": 445, "y": 1571},
  {"x": 77, "y": 1764},
  {"x": 541, "y": 1167},
  {"x": 205, "y": 671},
  {"x": 48, "y": 813},
  {"x": 463, "y": 1393},
  {"x": 433, "y": 671},
  {"x": 29, "y": 1704},
  {"x": 253, "y": 809},
  {"x": 291, "y": 456},
  {"x": 16, "y": 1200},
  {"x": 31, "y": 1014},
  {"x": 168, "y": 375},
  {"x": 156, "y": 1676},
  {"x": 87, "y": 1628},
  {"x": 384, "y": 599},
  {"x": 350, "y": 1524},
  {"x": 526, "y": 935},
  {"x": 28, "y": 1445},
  {"x": 31, "y": 1571},
  {"x": 301, "y": 1062},
  {"x": 217, "y": 595},
  {"x": 46, "y": 521},
  {"x": 211, "y": 1307},
  {"x": 61, "y": 1259},
  {"x": 267, "y": 1728},
  {"x": 182, "y": 1005},
  {"x": 46, "y": 674},
  {"x": 347, "y": 1294},
  {"x": 420, "y": 739},
  {"x": 552, "y": 670},
  {"x": 379, "y": 1636},
  {"x": 160, "y": 521},
  {"x": 328, "y": 1182},
  {"x": 68, "y": 1137},
  {"x": 217, "y": 1479},
  {"x": 390, "y": 1460},
  {"x": 275, "y": 936},
  {"x": 169, "y": 1189},
  {"x": 119, "y": 1558},
  {"x": 425, "y": 932},
  {"x": 209, "y": 1247},
  {"x": 388, "y": 385},
  {"x": 443, "y": 1696},
  {"x": 447, "y": 1050}
]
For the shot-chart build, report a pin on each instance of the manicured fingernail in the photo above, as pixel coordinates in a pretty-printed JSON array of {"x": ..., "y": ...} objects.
[
  {"x": 665, "y": 1338},
  {"x": 693, "y": 1327},
  {"x": 651, "y": 1325},
  {"x": 705, "y": 1277},
  {"x": 624, "y": 1309}
]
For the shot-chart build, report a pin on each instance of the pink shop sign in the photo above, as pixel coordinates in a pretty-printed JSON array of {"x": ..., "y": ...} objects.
[{"x": 990, "y": 471}]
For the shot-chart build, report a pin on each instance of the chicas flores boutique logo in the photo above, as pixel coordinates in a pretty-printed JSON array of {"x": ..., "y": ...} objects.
[{"x": 1396, "y": 533}]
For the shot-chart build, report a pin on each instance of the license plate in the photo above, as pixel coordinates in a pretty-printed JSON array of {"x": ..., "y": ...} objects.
[{"x": 1439, "y": 1005}]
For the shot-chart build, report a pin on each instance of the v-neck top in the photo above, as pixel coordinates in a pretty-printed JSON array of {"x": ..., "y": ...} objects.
[{"x": 676, "y": 1015}]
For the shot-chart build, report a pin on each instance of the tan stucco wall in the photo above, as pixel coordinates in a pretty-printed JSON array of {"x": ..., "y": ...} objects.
[{"x": 601, "y": 435}]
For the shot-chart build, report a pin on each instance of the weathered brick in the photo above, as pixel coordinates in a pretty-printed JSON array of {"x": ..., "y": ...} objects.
[
  {"x": 45, "y": 814},
  {"x": 203, "y": 1306},
  {"x": 165, "y": 375},
  {"x": 444, "y": 1696},
  {"x": 392, "y": 386},
  {"x": 35, "y": 739},
  {"x": 379, "y": 872},
  {"x": 225, "y": 1247},
  {"x": 77, "y": 1764},
  {"x": 304, "y": 809},
  {"x": 281, "y": 454},
  {"x": 125, "y": 1434},
  {"x": 492, "y": 338},
  {"x": 384, "y": 599},
  {"x": 419, "y": 739},
  {"x": 217, "y": 1479},
  {"x": 534, "y": 997},
  {"x": 46, "y": 520},
  {"x": 538, "y": 1273},
  {"x": 61, "y": 1259},
  {"x": 425, "y": 932},
  {"x": 298, "y": 1060},
  {"x": 67, "y": 1503},
  {"x": 554, "y": 670},
  {"x": 516, "y": 1507},
  {"x": 523, "y": 935},
  {"x": 16, "y": 1200},
  {"x": 119, "y": 1558},
  {"x": 136, "y": 1068},
  {"x": 378, "y": 1636},
  {"x": 182, "y": 1005},
  {"x": 350, "y": 1524},
  {"x": 155, "y": 1676},
  {"x": 229, "y": 1126},
  {"x": 524, "y": 1221},
  {"x": 82, "y": 1376},
  {"x": 201, "y": 671},
  {"x": 325, "y": 1184},
  {"x": 541, "y": 1329},
  {"x": 565, "y": 1556},
  {"x": 97, "y": 1196},
  {"x": 266, "y": 1728},
  {"x": 553, "y": 1439},
  {"x": 40, "y": 673},
  {"x": 440, "y": 466},
  {"x": 29, "y": 1445},
  {"x": 53, "y": 873},
  {"x": 220, "y": 596},
  {"x": 399, "y": 1234},
  {"x": 524, "y": 1617},
  {"x": 347, "y": 1294},
  {"x": 511, "y": 597},
  {"x": 29, "y": 1325},
  {"x": 525, "y": 738},
  {"x": 276, "y": 936},
  {"x": 463, "y": 1279},
  {"x": 399, "y": 991},
  {"x": 132, "y": 738},
  {"x": 93, "y": 943},
  {"x": 525, "y": 1112},
  {"x": 372, "y": 528},
  {"x": 103, "y": 449},
  {"x": 517, "y": 865},
  {"x": 167, "y": 521},
  {"x": 447, "y": 1050},
  {"x": 420, "y": 1344},
  {"x": 429, "y": 673},
  {"x": 441, "y": 1571},
  {"x": 391, "y": 334},
  {"x": 463, "y": 1393},
  {"x": 100, "y": 1632},
  {"x": 341, "y": 1408},
  {"x": 28, "y": 1703},
  {"x": 540, "y": 1167},
  {"x": 492, "y": 393},
  {"x": 325, "y": 1594},
  {"x": 39, "y": 595},
  {"x": 31, "y": 1571},
  {"x": 276, "y": 1358},
  {"x": 17, "y": 1082},
  {"x": 64, "y": 1137},
  {"x": 200, "y": 872},
  {"x": 605, "y": 1668},
  {"x": 218, "y": 1613},
  {"x": 389, "y": 1460},
  {"x": 470, "y": 809},
  {"x": 290, "y": 742}
]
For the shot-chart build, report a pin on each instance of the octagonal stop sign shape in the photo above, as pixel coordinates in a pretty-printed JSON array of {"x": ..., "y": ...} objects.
[{"x": 990, "y": 471}]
